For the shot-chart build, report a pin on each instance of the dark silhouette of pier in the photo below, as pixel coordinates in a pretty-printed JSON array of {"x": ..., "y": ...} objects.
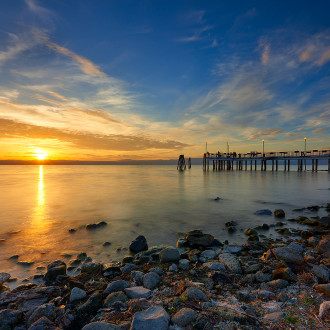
[{"x": 254, "y": 160}]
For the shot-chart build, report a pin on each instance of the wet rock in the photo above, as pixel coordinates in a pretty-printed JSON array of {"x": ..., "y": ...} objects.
[
  {"x": 250, "y": 231},
  {"x": 116, "y": 286},
  {"x": 46, "y": 310},
  {"x": 263, "y": 212},
  {"x": 93, "y": 303},
  {"x": 139, "y": 244},
  {"x": 56, "y": 263},
  {"x": 181, "y": 243},
  {"x": 138, "y": 292},
  {"x": 25, "y": 263},
  {"x": 183, "y": 317},
  {"x": 157, "y": 270},
  {"x": 231, "y": 262},
  {"x": 24, "y": 287},
  {"x": 321, "y": 272},
  {"x": 233, "y": 248},
  {"x": 14, "y": 257},
  {"x": 151, "y": 280},
  {"x": 154, "y": 317},
  {"x": 207, "y": 255},
  {"x": 169, "y": 255},
  {"x": 313, "y": 207},
  {"x": 195, "y": 294},
  {"x": 105, "y": 244},
  {"x": 91, "y": 268},
  {"x": 291, "y": 253},
  {"x": 324, "y": 288},
  {"x": 43, "y": 324},
  {"x": 53, "y": 272},
  {"x": 325, "y": 221},
  {"x": 106, "y": 326},
  {"x": 4, "y": 277},
  {"x": 198, "y": 239},
  {"x": 113, "y": 298},
  {"x": 184, "y": 264},
  {"x": 324, "y": 246},
  {"x": 279, "y": 213},
  {"x": 82, "y": 256},
  {"x": 77, "y": 294},
  {"x": 129, "y": 268},
  {"x": 92, "y": 226},
  {"x": 9, "y": 318},
  {"x": 72, "y": 230}
]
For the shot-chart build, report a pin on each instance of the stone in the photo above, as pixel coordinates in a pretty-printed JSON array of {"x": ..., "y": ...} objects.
[
  {"x": 313, "y": 241},
  {"x": 139, "y": 244},
  {"x": 324, "y": 288},
  {"x": 129, "y": 268},
  {"x": 77, "y": 294},
  {"x": 91, "y": 268},
  {"x": 43, "y": 324},
  {"x": 154, "y": 317},
  {"x": 93, "y": 303},
  {"x": 106, "y": 326},
  {"x": 137, "y": 277},
  {"x": 196, "y": 238},
  {"x": 82, "y": 256},
  {"x": 169, "y": 255},
  {"x": 278, "y": 284},
  {"x": 47, "y": 310},
  {"x": 231, "y": 262},
  {"x": 53, "y": 272},
  {"x": 183, "y": 317},
  {"x": 263, "y": 212},
  {"x": 324, "y": 310},
  {"x": 184, "y": 264},
  {"x": 9, "y": 318},
  {"x": 274, "y": 317},
  {"x": 325, "y": 221},
  {"x": 151, "y": 280},
  {"x": 4, "y": 277},
  {"x": 181, "y": 243},
  {"x": 265, "y": 294},
  {"x": 284, "y": 273},
  {"x": 157, "y": 270},
  {"x": 291, "y": 254},
  {"x": 321, "y": 272},
  {"x": 114, "y": 297},
  {"x": 233, "y": 248},
  {"x": 56, "y": 263},
  {"x": 324, "y": 246},
  {"x": 250, "y": 231},
  {"x": 92, "y": 226},
  {"x": 216, "y": 266},
  {"x": 173, "y": 268},
  {"x": 208, "y": 255},
  {"x": 195, "y": 294},
  {"x": 279, "y": 213},
  {"x": 116, "y": 286},
  {"x": 138, "y": 292},
  {"x": 263, "y": 277}
]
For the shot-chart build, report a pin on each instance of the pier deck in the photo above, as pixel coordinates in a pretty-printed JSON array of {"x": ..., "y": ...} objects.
[{"x": 222, "y": 161}]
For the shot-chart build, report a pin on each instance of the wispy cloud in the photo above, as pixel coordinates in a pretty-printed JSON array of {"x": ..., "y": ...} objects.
[
  {"x": 59, "y": 96},
  {"x": 264, "y": 133}
]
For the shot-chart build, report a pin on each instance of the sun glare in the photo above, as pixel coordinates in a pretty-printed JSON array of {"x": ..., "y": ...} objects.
[{"x": 40, "y": 154}]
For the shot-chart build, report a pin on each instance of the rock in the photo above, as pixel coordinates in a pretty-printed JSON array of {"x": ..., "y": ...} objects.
[
  {"x": 157, "y": 270},
  {"x": 233, "y": 248},
  {"x": 114, "y": 297},
  {"x": 91, "y": 268},
  {"x": 313, "y": 241},
  {"x": 195, "y": 294},
  {"x": 154, "y": 317},
  {"x": 151, "y": 280},
  {"x": 56, "y": 263},
  {"x": 173, "y": 268},
  {"x": 46, "y": 310},
  {"x": 105, "y": 244},
  {"x": 183, "y": 317},
  {"x": 196, "y": 238},
  {"x": 4, "y": 277},
  {"x": 324, "y": 288},
  {"x": 279, "y": 213},
  {"x": 325, "y": 221},
  {"x": 53, "y": 272},
  {"x": 208, "y": 255},
  {"x": 278, "y": 284},
  {"x": 184, "y": 264},
  {"x": 139, "y": 244},
  {"x": 24, "y": 287},
  {"x": 181, "y": 243},
  {"x": 137, "y": 277},
  {"x": 313, "y": 207},
  {"x": 92, "y": 226},
  {"x": 9, "y": 318},
  {"x": 263, "y": 212},
  {"x": 274, "y": 317},
  {"x": 169, "y": 255},
  {"x": 265, "y": 294},
  {"x": 43, "y": 324},
  {"x": 82, "y": 256},
  {"x": 324, "y": 311},
  {"x": 72, "y": 230},
  {"x": 231, "y": 262},
  {"x": 116, "y": 286},
  {"x": 291, "y": 253},
  {"x": 228, "y": 314},
  {"x": 138, "y": 292},
  {"x": 324, "y": 246},
  {"x": 321, "y": 272},
  {"x": 25, "y": 263},
  {"x": 250, "y": 231},
  {"x": 106, "y": 326},
  {"x": 129, "y": 268},
  {"x": 93, "y": 303},
  {"x": 284, "y": 273},
  {"x": 77, "y": 294},
  {"x": 263, "y": 277},
  {"x": 216, "y": 266}
]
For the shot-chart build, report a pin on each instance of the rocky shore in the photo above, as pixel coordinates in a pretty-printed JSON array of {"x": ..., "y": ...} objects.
[{"x": 200, "y": 284}]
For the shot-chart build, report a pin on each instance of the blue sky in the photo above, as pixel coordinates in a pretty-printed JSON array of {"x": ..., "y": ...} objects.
[{"x": 110, "y": 80}]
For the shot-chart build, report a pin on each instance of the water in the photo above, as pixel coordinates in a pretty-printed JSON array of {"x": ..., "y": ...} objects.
[{"x": 39, "y": 204}]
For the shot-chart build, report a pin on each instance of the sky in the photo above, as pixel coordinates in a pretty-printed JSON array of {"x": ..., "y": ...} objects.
[{"x": 113, "y": 80}]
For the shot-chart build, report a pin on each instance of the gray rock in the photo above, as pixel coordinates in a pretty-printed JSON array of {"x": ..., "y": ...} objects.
[
  {"x": 231, "y": 262},
  {"x": 233, "y": 248},
  {"x": 91, "y": 268},
  {"x": 47, "y": 310},
  {"x": 114, "y": 297},
  {"x": 93, "y": 303},
  {"x": 173, "y": 268},
  {"x": 138, "y": 292},
  {"x": 184, "y": 264},
  {"x": 291, "y": 253},
  {"x": 151, "y": 280},
  {"x": 278, "y": 284},
  {"x": 265, "y": 294},
  {"x": 195, "y": 294},
  {"x": 279, "y": 213},
  {"x": 106, "y": 326},
  {"x": 154, "y": 317},
  {"x": 137, "y": 277},
  {"x": 4, "y": 277},
  {"x": 215, "y": 266},
  {"x": 263, "y": 277},
  {"x": 139, "y": 244},
  {"x": 77, "y": 294},
  {"x": 9, "y": 318},
  {"x": 53, "y": 272},
  {"x": 169, "y": 255},
  {"x": 181, "y": 243},
  {"x": 251, "y": 269},
  {"x": 264, "y": 212},
  {"x": 116, "y": 286},
  {"x": 56, "y": 263},
  {"x": 157, "y": 270},
  {"x": 198, "y": 239},
  {"x": 208, "y": 254},
  {"x": 183, "y": 317},
  {"x": 92, "y": 226},
  {"x": 274, "y": 317},
  {"x": 284, "y": 273},
  {"x": 43, "y": 324},
  {"x": 324, "y": 246},
  {"x": 321, "y": 272},
  {"x": 129, "y": 268}
]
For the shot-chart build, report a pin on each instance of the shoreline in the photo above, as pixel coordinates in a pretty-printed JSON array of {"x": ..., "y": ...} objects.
[{"x": 202, "y": 284}]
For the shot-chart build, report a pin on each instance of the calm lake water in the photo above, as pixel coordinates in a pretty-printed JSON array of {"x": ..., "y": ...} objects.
[{"x": 39, "y": 204}]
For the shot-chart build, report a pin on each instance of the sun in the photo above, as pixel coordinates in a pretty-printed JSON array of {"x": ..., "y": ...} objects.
[{"x": 40, "y": 154}]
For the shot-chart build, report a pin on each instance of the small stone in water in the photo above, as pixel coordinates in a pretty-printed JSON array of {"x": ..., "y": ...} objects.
[{"x": 106, "y": 244}]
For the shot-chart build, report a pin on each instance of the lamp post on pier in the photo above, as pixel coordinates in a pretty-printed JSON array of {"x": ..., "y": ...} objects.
[
  {"x": 205, "y": 146},
  {"x": 263, "y": 148},
  {"x": 227, "y": 148},
  {"x": 305, "y": 143}
]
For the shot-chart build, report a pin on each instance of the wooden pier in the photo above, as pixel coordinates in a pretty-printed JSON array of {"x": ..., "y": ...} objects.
[{"x": 253, "y": 160}]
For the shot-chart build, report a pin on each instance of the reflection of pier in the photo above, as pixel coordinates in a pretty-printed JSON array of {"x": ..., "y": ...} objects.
[{"x": 227, "y": 161}]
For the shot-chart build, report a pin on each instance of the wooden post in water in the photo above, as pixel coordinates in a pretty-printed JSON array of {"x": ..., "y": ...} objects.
[
  {"x": 272, "y": 165},
  {"x": 255, "y": 165},
  {"x": 288, "y": 165},
  {"x": 312, "y": 165},
  {"x": 284, "y": 165},
  {"x": 317, "y": 163},
  {"x": 276, "y": 165}
]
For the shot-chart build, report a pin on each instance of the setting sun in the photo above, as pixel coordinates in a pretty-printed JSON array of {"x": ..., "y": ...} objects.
[{"x": 40, "y": 154}]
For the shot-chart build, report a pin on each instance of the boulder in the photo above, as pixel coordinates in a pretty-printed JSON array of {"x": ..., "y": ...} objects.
[
  {"x": 93, "y": 303},
  {"x": 279, "y": 213},
  {"x": 43, "y": 324},
  {"x": 4, "y": 277},
  {"x": 48, "y": 310},
  {"x": 137, "y": 277},
  {"x": 92, "y": 226},
  {"x": 129, "y": 268},
  {"x": 195, "y": 294},
  {"x": 139, "y": 244},
  {"x": 116, "y": 286},
  {"x": 77, "y": 294},
  {"x": 321, "y": 272},
  {"x": 114, "y": 297},
  {"x": 324, "y": 246},
  {"x": 151, "y": 280},
  {"x": 56, "y": 263},
  {"x": 53, "y": 272},
  {"x": 324, "y": 288},
  {"x": 169, "y": 255},
  {"x": 91, "y": 268},
  {"x": 293, "y": 253},
  {"x": 107, "y": 326},
  {"x": 9, "y": 318},
  {"x": 184, "y": 264},
  {"x": 138, "y": 292},
  {"x": 154, "y": 317},
  {"x": 264, "y": 212},
  {"x": 196, "y": 238},
  {"x": 278, "y": 284},
  {"x": 231, "y": 262},
  {"x": 208, "y": 255},
  {"x": 183, "y": 317}
]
